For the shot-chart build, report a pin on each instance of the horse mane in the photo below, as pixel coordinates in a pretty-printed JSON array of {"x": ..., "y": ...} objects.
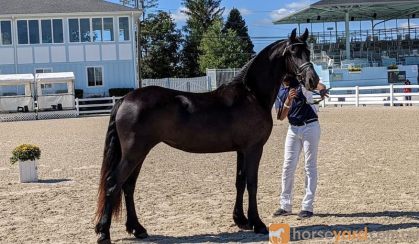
[{"x": 241, "y": 77}]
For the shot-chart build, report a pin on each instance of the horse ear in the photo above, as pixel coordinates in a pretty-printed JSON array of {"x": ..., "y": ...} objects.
[
  {"x": 304, "y": 37},
  {"x": 293, "y": 36}
]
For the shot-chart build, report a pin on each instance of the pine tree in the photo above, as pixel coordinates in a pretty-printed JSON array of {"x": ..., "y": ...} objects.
[
  {"x": 160, "y": 42},
  {"x": 236, "y": 22},
  {"x": 221, "y": 49},
  {"x": 201, "y": 15}
]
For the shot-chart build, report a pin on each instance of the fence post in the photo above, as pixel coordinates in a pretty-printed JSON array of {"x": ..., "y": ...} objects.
[
  {"x": 391, "y": 95},
  {"x": 77, "y": 107},
  {"x": 113, "y": 101},
  {"x": 168, "y": 83},
  {"x": 188, "y": 86},
  {"x": 357, "y": 96}
]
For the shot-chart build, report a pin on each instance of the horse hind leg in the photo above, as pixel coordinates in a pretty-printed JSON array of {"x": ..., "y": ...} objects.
[
  {"x": 114, "y": 184},
  {"x": 133, "y": 226},
  {"x": 238, "y": 214}
]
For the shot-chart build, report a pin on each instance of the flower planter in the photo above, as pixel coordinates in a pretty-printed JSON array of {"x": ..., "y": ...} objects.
[{"x": 28, "y": 171}]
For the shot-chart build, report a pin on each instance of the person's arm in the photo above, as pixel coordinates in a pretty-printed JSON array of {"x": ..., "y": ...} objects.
[{"x": 283, "y": 112}]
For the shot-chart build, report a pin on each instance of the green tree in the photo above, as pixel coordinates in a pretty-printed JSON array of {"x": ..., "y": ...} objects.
[
  {"x": 160, "y": 43},
  {"x": 201, "y": 15},
  {"x": 236, "y": 22},
  {"x": 221, "y": 49}
]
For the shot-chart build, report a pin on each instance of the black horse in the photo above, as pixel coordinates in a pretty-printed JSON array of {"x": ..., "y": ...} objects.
[{"x": 235, "y": 117}]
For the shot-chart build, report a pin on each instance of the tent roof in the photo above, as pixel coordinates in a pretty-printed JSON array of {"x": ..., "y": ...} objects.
[
  {"x": 54, "y": 77},
  {"x": 16, "y": 78},
  {"x": 334, "y": 11}
]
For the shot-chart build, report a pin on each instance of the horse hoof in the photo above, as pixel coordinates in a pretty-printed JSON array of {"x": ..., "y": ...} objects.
[
  {"x": 141, "y": 235},
  {"x": 104, "y": 239},
  {"x": 261, "y": 230}
]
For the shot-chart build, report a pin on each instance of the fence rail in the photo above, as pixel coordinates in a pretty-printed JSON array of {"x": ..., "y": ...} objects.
[
  {"x": 101, "y": 108},
  {"x": 390, "y": 98}
]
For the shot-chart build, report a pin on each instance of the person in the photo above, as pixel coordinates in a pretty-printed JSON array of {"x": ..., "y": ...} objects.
[
  {"x": 407, "y": 90},
  {"x": 296, "y": 103}
]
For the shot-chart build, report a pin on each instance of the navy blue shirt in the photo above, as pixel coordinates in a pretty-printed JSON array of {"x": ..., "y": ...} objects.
[{"x": 300, "y": 111}]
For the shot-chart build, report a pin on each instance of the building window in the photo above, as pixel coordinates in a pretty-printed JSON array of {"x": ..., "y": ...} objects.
[
  {"x": 52, "y": 31},
  {"x": 46, "y": 31},
  {"x": 43, "y": 70},
  {"x": 123, "y": 29},
  {"x": 98, "y": 30},
  {"x": 5, "y": 33},
  {"x": 94, "y": 76},
  {"x": 22, "y": 31},
  {"x": 108, "y": 33},
  {"x": 33, "y": 31},
  {"x": 58, "y": 33},
  {"x": 28, "y": 31},
  {"x": 85, "y": 30}
]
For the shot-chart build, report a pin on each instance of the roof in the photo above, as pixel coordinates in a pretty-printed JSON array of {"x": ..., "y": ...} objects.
[
  {"x": 54, "y": 77},
  {"x": 334, "y": 11},
  {"x": 28, "y": 7},
  {"x": 16, "y": 78}
]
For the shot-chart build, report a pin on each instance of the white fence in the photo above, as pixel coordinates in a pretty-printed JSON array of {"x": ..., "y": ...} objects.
[
  {"x": 99, "y": 108},
  {"x": 366, "y": 95},
  {"x": 196, "y": 84},
  {"x": 391, "y": 95}
]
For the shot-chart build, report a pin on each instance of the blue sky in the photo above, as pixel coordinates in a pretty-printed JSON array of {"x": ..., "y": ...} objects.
[{"x": 259, "y": 15}]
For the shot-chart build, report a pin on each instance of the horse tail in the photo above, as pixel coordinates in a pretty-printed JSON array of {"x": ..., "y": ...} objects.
[{"x": 111, "y": 157}]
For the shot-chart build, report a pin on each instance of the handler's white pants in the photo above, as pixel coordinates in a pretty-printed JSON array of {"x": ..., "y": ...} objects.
[{"x": 299, "y": 137}]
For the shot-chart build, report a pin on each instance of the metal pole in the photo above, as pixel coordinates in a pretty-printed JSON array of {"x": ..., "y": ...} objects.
[
  {"x": 347, "y": 34},
  {"x": 140, "y": 55}
]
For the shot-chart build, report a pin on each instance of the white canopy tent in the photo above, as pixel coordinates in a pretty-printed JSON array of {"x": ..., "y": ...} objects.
[
  {"x": 16, "y": 93},
  {"x": 55, "y": 90}
]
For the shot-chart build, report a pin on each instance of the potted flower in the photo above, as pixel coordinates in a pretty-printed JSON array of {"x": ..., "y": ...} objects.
[
  {"x": 26, "y": 155},
  {"x": 393, "y": 67},
  {"x": 354, "y": 69}
]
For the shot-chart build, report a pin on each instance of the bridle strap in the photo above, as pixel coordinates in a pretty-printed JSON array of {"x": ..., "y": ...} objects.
[
  {"x": 304, "y": 66},
  {"x": 291, "y": 45}
]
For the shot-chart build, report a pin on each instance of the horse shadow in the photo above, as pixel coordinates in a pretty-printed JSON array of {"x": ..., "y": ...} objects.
[
  {"x": 250, "y": 237},
  {"x": 52, "y": 181},
  {"x": 392, "y": 214}
]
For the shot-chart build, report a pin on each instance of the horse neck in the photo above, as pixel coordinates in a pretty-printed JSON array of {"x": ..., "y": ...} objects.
[{"x": 265, "y": 83}]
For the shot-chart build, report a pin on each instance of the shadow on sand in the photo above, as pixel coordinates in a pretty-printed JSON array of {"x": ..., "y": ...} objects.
[
  {"x": 250, "y": 237},
  {"x": 52, "y": 181}
]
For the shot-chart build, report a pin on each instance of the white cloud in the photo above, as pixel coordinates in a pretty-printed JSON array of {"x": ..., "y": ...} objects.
[
  {"x": 406, "y": 25},
  {"x": 245, "y": 11},
  {"x": 289, "y": 9},
  {"x": 179, "y": 16}
]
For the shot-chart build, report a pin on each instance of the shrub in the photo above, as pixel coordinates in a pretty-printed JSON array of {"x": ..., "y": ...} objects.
[
  {"x": 78, "y": 93},
  {"x": 119, "y": 92},
  {"x": 25, "y": 152}
]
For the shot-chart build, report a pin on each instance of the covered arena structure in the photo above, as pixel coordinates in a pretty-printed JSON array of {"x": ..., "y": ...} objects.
[{"x": 377, "y": 42}]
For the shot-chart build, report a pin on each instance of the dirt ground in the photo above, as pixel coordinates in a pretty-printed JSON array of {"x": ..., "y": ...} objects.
[{"x": 368, "y": 177}]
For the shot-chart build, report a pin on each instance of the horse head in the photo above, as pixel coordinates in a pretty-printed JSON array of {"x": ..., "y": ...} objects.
[{"x": 297, "y": 60}]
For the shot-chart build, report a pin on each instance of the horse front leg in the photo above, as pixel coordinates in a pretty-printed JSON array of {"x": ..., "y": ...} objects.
[
  {"x": 252, "y": 159},
  {"x": 238, "y": 214}
]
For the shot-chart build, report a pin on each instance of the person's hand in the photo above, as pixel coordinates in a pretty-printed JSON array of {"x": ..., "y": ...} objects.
[{"x": 291, "y": 94}]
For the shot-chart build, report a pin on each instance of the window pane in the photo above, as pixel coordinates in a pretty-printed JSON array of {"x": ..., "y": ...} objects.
[
  {"x": 123, "y": 29},
  {"x": 98, "y": 76},
  {"x": 97, "y": 29},
  {"x": 108, "y": 29},
  {"x": 91, "y": 76},
  {"x": 12, "y": 90},
  {"x": 6, "y": 32},
  {"x": 22, "y": 31},
  {"x": 85, "y": 30},
  {"x": 46, "y": 31},
  {"x": 33, "y": 31},
  {"x": 73, "y": 29},
  {"x": 57, "y": 24}
]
